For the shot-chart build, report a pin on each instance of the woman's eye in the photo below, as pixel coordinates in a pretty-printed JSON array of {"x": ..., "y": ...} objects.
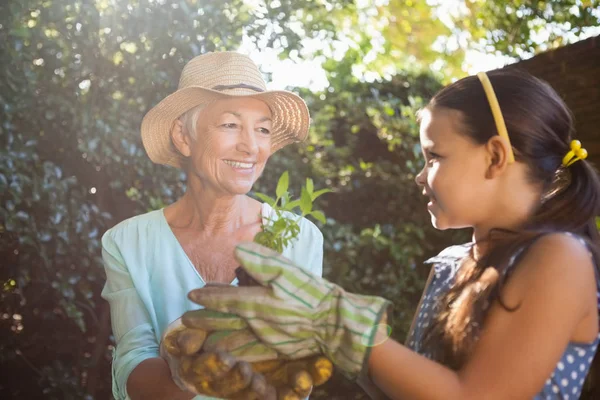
[
  {"x": 230, "y": 125},
  {"x": 264, "y": 130}
]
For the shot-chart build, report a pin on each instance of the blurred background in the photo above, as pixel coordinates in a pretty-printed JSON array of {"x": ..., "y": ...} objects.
[{"x": 77, "y": 76}]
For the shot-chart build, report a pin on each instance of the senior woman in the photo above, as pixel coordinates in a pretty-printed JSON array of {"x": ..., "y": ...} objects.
[{"x": 219, "y": 127}]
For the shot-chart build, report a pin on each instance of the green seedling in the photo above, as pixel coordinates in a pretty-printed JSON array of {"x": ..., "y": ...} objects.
[{"x": 279, "y": 231}]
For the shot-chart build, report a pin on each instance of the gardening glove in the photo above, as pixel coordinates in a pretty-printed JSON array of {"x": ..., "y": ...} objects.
[
  {"x": 295, "y": 379},
  {"x": 292, "y": 379},
  {"x": 294, "y": 312},
  {"x": 216, "y": 373},
  {"x": 235, "y": 364}
]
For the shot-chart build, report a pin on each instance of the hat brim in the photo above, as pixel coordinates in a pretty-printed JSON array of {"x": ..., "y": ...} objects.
[{"x": 290, "y": 118}]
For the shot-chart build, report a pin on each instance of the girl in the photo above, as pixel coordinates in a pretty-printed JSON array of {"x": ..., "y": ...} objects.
[{"x": 512, "y": 315}]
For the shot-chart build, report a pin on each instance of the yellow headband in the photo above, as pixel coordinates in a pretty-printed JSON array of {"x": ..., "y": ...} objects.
[
  {"x": 496, "y": 112},
  {"x": 575, "y": 154}
]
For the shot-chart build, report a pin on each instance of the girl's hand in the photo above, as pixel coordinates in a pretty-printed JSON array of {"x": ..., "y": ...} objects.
[{"x": 293, "y": 312}]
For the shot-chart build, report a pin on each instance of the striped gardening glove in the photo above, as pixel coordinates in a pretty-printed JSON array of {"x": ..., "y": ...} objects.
[
  {"x": 290, "y": 379},
  {"x": 294, "y": 312}
]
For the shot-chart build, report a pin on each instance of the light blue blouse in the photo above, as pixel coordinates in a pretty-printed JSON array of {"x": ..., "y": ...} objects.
[{"x": 148, "y": 277}]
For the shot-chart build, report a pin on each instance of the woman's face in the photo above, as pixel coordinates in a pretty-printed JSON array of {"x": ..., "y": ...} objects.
[{"x": 232, "y": 145}]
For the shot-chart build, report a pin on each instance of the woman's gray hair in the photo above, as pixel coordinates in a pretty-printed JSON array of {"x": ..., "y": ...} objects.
[{"x": 189, "y": 119}]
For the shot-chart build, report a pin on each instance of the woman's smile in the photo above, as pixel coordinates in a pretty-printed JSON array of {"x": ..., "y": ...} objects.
[{"x": 241, "y": 167}]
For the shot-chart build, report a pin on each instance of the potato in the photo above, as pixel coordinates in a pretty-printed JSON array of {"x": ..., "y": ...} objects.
[
  {"x": 266, "y": 366},
  {"x": 321, "y": 370},
  {"x": 190, "y": 341}
]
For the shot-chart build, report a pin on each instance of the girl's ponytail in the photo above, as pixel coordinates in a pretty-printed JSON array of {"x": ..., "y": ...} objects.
[{"x": 572, "y": 202}]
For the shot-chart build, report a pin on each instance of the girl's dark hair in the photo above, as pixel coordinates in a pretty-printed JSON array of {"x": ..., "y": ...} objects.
[{"x": 540, "y": 127}]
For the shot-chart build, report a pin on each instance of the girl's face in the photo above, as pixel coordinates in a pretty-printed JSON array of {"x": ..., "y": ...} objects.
[{"x": 454, "y": 175}]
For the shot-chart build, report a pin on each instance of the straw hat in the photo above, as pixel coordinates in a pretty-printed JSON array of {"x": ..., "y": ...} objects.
[{"x": 214, "y": 76}]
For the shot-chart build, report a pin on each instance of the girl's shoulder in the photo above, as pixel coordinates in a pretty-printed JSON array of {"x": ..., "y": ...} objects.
[
  {"x": 555, "y": 251},
  {"x": 562, "y": 241},
  {"x": 555, "y": 262}
]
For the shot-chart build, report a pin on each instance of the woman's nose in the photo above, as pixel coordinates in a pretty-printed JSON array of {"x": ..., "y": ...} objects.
[{"x": 248, "y": 143}]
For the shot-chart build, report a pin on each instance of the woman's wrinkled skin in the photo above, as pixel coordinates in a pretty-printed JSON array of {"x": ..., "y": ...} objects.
[{"x": 224, "y": 157}]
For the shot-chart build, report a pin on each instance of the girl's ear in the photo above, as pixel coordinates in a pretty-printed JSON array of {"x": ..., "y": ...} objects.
[
  {"x": 180, "y": 140},
  {"x": 498, "y": 150}
]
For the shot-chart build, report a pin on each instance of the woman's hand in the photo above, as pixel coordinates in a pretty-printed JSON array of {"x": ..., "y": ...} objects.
[
  {"x": 292, "y": 379},
  {"x": 211, "y": 373},
  {"x": 293, "y": 312},
  {"x": 234, "y": 364}
]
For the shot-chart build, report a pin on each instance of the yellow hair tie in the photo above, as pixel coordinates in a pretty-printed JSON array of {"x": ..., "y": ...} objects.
[
  {"x": 575, "y": 154},
  {"x": 496, "y": 112}
]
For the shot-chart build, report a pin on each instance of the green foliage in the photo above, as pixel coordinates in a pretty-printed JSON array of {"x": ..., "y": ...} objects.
[
  {"x": 522, "y": 28},
  {"x": 51, "y": 271},
  {"x": 280, "y": 231},
  {"x": 76, "y": 79}
]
